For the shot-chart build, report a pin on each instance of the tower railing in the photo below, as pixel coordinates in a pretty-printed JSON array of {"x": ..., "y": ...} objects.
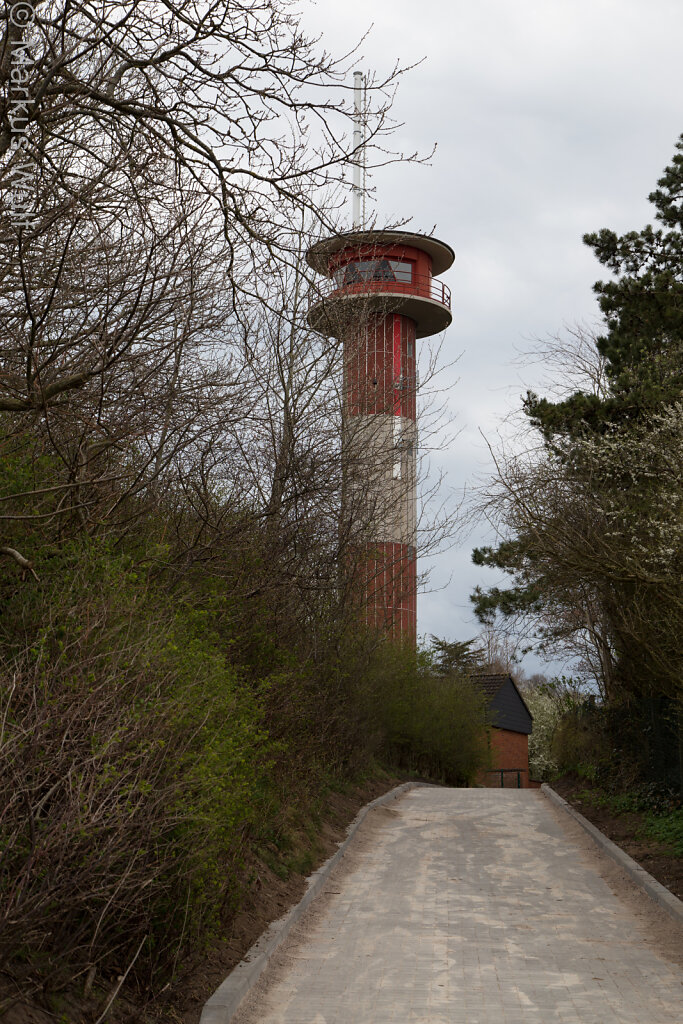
[{"x": 422, "y": 286}]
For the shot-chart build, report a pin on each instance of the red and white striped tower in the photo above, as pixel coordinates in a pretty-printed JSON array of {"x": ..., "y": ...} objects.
[{"x": 380, "y": 297}]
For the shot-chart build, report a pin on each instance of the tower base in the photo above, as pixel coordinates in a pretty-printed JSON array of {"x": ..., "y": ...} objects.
[{"x": 391, "y": 589}]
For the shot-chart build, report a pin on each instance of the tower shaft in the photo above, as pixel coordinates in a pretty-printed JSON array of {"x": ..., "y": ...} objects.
[
  {"x": 380, "y": 297},
  {"x": 381, "y": 446}
]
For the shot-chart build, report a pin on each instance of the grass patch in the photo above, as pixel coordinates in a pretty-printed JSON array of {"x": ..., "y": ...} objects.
[
  {"x": 663, "y": 821},
  {"x": 667, "y": 829}
]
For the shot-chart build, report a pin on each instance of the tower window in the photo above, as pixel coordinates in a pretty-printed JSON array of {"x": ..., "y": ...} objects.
[
  {"x": 374, "y": 270},
  {"x": 397, "y": 471}
]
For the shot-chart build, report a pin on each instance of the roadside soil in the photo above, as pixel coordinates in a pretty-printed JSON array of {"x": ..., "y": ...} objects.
[
  {"x": 657, "y": 858},
  {"x": 269, "y": 899}
]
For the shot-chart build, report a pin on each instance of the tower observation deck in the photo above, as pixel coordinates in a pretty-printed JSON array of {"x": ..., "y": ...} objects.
[{"x": 381, "y": 295}]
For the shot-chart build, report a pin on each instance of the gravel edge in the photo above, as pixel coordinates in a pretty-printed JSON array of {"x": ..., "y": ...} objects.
[
  {"x": 223, "y": 1004},
  {"x": 654, "y": 889}
]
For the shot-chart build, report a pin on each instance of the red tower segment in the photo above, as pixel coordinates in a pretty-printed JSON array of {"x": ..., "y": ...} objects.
[{"x": 380, "y": 296}]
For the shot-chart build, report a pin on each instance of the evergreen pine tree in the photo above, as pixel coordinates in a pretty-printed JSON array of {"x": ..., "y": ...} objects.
[{"x": 643, "y": 310}]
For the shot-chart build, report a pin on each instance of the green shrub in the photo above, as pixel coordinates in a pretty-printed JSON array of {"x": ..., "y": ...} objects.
[
  {"x": 625, "y": 747},
  {"x": 431, "y": 724},
  {"x": 133, "y": 764}
]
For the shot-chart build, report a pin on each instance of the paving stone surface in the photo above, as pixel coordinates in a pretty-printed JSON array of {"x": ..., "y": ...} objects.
[{"x": 469, "y": 906}]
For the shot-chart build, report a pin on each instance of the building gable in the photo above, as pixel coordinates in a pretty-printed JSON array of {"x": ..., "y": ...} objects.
[{"x": 505, "y": 705}]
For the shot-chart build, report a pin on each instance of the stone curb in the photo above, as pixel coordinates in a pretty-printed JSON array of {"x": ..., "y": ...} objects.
[
  {"x": 655, "y": 890},
  {"x": 222, "y": 1005}
]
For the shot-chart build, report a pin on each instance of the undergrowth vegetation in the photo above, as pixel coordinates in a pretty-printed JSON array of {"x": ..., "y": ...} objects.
[
  {"x": 148, "y": 755},
  {"x": 623, "y": 754},
  {"x": 662, "y": 815},
  {"x": 667, "y": 828},
  {"x": 623, "y": 747}
]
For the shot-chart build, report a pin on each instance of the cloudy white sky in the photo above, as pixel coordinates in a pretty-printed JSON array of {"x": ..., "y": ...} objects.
[{"x": 551, "y": 118}]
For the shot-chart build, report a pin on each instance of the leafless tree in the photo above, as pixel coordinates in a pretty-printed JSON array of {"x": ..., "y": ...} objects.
[
  {"x": 170, "y": 146},
  {"x": 247, "y": 107},
  {"x": 571, "y": 361},
  {"x": 604, "y": 557}
]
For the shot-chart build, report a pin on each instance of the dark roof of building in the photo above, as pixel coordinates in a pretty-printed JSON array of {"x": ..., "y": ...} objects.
[{"x": 505, "y": 705}]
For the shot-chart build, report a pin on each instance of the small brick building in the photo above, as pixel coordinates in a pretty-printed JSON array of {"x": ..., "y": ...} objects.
[{"x": 511, "y": 723}]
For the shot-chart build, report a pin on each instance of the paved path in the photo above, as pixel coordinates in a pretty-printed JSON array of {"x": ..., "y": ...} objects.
[{"x": 471, "y": 907}]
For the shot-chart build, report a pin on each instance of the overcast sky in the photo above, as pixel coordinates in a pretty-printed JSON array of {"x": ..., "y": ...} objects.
[{"x": 551, "y": 118}]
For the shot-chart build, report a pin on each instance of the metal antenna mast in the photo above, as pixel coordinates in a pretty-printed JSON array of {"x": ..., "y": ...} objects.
[
  {"x": 365, "y": 148},
  {"x": 359, "y": 155}
]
